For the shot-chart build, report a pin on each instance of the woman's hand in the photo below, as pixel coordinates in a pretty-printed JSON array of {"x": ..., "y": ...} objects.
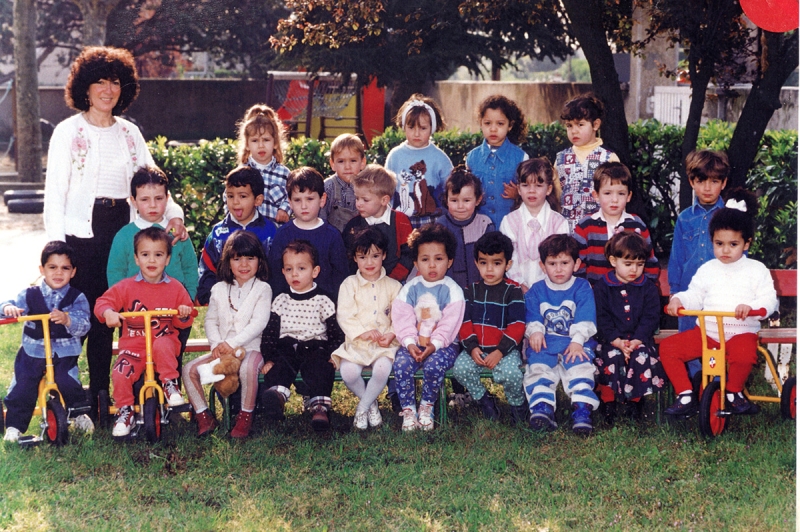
[
  {"x": 176, "y": 227},
  {"x": 282, "y": 216},
  {"x": 510, "y": 191}
]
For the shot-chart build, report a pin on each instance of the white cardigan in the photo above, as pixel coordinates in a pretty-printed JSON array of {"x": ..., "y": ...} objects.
[
  {"x": 241, "y": 328},
  {"x": 73, "y": 171}
]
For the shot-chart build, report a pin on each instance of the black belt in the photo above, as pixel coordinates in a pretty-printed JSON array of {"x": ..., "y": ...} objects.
[{"x": 109, "y": 202}]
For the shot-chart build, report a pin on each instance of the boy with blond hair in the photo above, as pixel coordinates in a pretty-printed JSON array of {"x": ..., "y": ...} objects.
[
  {"x": 348, "y": 158},
  {"x": 374, "y": 187}
]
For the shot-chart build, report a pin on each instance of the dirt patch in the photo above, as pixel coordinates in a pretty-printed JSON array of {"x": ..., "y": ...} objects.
[{"x": 19, "y": 222}]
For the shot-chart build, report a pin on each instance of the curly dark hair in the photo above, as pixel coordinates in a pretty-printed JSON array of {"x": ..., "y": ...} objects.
[
  {"x": 102, "y": 62},
  {"x": 430, "y": 234},
  {"x": 518, "y": 130}
]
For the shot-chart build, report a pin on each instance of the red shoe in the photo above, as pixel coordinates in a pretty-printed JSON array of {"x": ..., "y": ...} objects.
[
  {"x": 243, "y": 422},
  {"x": 205, "y": 423}
]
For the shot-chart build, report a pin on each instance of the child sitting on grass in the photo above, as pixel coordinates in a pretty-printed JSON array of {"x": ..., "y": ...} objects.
[
  {"x": 628, "y": 313},
  {"x": 426, "y": 317},
  {"x": 365, "y": 301},
  {"x": 560, "y": 316},
  {"x": 494, "y": 323},
  {"x": 730, "y": 282},
  {"x": 151, "y": 289},
  {"x": 300, "y": 336},
  {"x": 69, "y": 314}
]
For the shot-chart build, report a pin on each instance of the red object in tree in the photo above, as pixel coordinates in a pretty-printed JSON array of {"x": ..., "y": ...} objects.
[{"x": 773, "y": 15}]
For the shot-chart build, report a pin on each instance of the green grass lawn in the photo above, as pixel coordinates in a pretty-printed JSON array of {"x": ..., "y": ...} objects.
[{"x": 471, "y": 475}]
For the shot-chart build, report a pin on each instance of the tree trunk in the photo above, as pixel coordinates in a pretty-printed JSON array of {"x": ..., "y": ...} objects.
[
  {"x": 763, "y": 101},
  {"x": 700, "y": 76},
  {"x": 95, "y": 19},
  {"x": 29, "y": 133}
]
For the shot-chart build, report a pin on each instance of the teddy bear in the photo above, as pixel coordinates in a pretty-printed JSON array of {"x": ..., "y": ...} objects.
[{"x": 223, "y": 372}]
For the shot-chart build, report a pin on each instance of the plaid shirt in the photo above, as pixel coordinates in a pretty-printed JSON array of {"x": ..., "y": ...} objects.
[
  {"x": 79, "y": 322},
  {"x": 275, "y": 197}
]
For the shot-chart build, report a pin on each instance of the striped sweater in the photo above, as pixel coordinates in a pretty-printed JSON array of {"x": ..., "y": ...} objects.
[
  {"x": 593, "y": 232},
  {"x": 494, "y": 317}
]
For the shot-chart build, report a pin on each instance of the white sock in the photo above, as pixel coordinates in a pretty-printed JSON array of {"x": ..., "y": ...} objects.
[{"x": 685, "y": 397}]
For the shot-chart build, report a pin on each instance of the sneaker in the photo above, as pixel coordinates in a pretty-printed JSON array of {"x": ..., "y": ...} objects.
[
  {"x": 741, "y": 405},
  {"x": 581, "y": 418},
  {"x": 273, "y": 402},
  {"x": 83, "y": 423},
  {"x": 205, "y": 423},
  {"x": 520, "y": 413},
  {"x": 489, "y": 407},
  {"x": 374, "y": 416},
  {"x": 173, "y": 393},
  {"x": 425, "y": 419},
  {"x": 243, "y": 423},
  {"x": 409, "y": 420},
  {"x": 12, "y": 434},
  {"x": 679, "y": 408},
  {"x": 123, "y": 422},
  {"x": 320, "y": 421},
  {"x": 543, "y": 418},
  {"x": 360, "y": 421}
]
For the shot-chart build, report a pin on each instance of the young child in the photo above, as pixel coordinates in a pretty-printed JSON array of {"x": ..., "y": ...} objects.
[
  {"x": 426, "y": 317},
  {"x": 612, "y": 190},
  {"x": 421, "y": 168},
  {"x": 628, "y": 313},
  {"x": 149, "y": 194},
  {"x": 365, "y": 301},
  {"x": 535, "y": 218},
  {"x": 576, "y": 165},
  {"x": 260, "y": 137},
  {"x": 494, "y": 323},
  {"x": 560, "y": 316},
  {"x": 463, "y": 194},
  {"x": 691, "y": 245},
  {"x": 238, "y": 312},
  {"x": 301, "y": 335},
  {"x": 151, "y": 289},
  {"x": 244, "y": 192},
  {"x": 497, "y": 158},
  {"x": 373, "y": 189},
  {"x": 306, "y": 190},
  {"x": 69, "y": 317},
  {"x": 347, "y": 160},
  {"x": 730, "y": 282}
]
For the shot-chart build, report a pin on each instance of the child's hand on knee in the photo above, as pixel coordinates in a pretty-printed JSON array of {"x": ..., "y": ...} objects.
[
  {"x": 12, "y": 311},
  {"x": 60, "y": 317},
  {"x": 386, "y": 339},
  {"x": 537, "y": 341},
  {"x": 575, "y": 351}
]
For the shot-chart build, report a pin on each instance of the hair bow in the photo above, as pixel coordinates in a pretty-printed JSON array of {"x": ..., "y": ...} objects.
[
  {"x": 418, "y": 103},
  {"x": 738, "y": 205}
]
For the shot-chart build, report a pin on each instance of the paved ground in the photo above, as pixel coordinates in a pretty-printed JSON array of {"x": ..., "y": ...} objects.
[{"x": 22, "y": 238}]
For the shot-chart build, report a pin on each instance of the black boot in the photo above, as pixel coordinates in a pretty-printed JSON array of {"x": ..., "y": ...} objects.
[{"x": 488, "y": 407}]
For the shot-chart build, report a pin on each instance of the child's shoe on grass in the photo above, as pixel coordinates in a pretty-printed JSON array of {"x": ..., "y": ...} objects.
[
  {"x": 740, "y": 405},
  {"x": 205, "y": 423},
  {"x": 360, "y": 421},
  {"x": 83, "y": 423},
  {"x": 543, "y": 418},
  {"x": 489, "y": 407},
  {"x": 684, "y": 406},
  {"x": 243, "y": 423},
  {"x": 374, "y": 415},
  {"x": 320, "y": 421},
  {"x": 581, "y": 418},
  {"x": 425, "y": 418},
  {"x": 173, "y": 393},
  {"x": 273, "y": 402},
  {"x": 409, "y": 420},
  {"x": 123, "y": 422},
  {"x": 12, "y": 434}
]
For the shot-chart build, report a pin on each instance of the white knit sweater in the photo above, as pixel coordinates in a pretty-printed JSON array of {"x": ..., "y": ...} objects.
[{"x": 242, "y": 328}]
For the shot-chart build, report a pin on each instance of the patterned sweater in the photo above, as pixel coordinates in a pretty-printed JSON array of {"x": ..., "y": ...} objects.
[
  {"x": 576, "y": 168},
  {"x": 442, "y": 300},
  {"x": 464, "y": 271},
  {"x": 494, "y": 317}
]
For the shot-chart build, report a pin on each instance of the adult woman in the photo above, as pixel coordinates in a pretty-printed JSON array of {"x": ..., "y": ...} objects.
[{"x": 91, "y": 160}]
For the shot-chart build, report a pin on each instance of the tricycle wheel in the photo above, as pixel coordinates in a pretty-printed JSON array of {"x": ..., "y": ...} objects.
[
  {"x": 152, "y": 420},
  {"x": 710, "y": 423},
  {"x": 789, "y": 399},
  {"x": 57, "y": 423},
  {"x": 103, "y": 404}
]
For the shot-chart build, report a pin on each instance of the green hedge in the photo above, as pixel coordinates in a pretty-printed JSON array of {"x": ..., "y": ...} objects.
[{"x": 197, "y": 173}]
